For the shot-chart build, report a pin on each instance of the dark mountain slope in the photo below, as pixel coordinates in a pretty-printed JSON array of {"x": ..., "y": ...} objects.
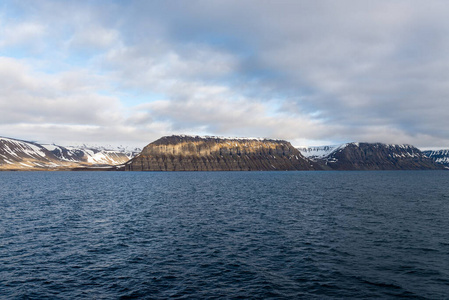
[{"x": 377, "y": 156}]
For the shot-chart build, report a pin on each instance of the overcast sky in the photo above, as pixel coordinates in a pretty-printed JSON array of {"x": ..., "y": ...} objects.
[{"x": 311, "y": 72}]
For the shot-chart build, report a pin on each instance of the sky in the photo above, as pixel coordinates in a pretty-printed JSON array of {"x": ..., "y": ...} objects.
[{"x": 310, "y": 72}]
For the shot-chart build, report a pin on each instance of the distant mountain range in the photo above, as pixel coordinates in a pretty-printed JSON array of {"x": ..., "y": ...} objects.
[
  {"x": 195, "y": 153},
  {"x": 440, "y": 156},
  {"x": 23, "y": 155},
  {"x": 370, "y": 156}
]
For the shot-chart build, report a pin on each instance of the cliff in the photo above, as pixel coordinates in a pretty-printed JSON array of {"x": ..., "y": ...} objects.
[
  {"x": 194, "y": 153},
  {"x": 374, "y": 156}
]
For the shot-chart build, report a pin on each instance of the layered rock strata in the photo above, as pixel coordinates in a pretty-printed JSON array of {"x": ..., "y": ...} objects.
[{"x": 194, "y": 153}]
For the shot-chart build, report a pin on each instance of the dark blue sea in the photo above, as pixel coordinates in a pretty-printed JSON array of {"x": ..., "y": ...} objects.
[{"x": 224, "y": 235}]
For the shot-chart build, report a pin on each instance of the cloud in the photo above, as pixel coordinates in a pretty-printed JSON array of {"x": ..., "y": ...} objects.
[
  {"x": 214, "y": 112},
  {"x": 359, "y": 71},
  {"x": 94, "y": 38},
  {"x": 64, "y": 97},
  {"x": 18, "y": 34},
  {"x": 29, "y": 99},
  {"x": 312, "y": 72}
]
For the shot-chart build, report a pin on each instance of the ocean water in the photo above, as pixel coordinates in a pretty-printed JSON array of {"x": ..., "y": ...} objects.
[{"x": 224, "y": 235}]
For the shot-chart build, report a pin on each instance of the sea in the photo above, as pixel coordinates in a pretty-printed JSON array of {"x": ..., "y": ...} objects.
[{"x": 224, "y": 235}]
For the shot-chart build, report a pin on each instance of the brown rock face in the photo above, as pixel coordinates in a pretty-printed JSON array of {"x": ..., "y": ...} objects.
[{"x": 187, "y": 153}]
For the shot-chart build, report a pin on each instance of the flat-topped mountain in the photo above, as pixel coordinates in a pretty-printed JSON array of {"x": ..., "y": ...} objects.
[
  {"x": 23, "y": 155},
  {"x": 194, "y": 153},
  {"x": 439, "y": 156},
  {"x": 371, "y": 156}
]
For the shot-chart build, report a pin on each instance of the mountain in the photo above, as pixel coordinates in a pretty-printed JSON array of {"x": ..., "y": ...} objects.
[
  {"x": 130, "y": 152},
  {"x": 439, "y": 156},
  {"x": 318, "y": 152},
  {"x": 90, "y": 155},
  {"x": 371, "y": 156},
  {"x": 24, "y": 155},
  {"x": 195, "y": 153}
]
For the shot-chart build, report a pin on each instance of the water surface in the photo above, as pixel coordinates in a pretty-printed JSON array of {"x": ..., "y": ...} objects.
[{"x": 312, "y": 235}]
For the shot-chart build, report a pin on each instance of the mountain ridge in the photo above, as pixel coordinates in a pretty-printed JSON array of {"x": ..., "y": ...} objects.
[
  {"x": 18, "y": 154},
  {"x": 371, "y": 156},
  {"x": 439, "y": 156},
  {"x": 213, "y": 153}
]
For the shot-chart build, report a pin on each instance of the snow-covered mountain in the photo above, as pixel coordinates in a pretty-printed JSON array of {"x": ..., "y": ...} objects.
[
  {"x": 369, "y": 156},
  {"x": 318, "y": 152},
  {"x": 440, "y": 156},
  {"x": 23, "y": 155},
  {"x": 91, "y": 154},
  {"x": 130, "y": 152}
]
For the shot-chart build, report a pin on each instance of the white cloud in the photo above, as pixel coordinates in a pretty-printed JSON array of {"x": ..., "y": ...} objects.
[
  {"x": 306, "y": 71},
  {"x": 20, "y": 34},
  {"x": 64, "y": 97},
  {"x": 33, "y": 99},
  {"x": 94, "y": 37}
]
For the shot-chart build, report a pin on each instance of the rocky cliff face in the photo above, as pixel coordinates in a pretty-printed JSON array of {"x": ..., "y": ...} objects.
[
  {"x": 376, "y": 156},
  {"x": 194, "y": 153},
  {"x": 439, "y": 156}
]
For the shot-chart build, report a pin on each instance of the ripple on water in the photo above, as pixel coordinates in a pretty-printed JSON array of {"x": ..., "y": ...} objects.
[{"x": 259, "y": 235}]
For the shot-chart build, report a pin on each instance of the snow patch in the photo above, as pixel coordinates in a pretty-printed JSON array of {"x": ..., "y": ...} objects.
[
  {"x": 318, "y": 152},
  {"x": 226, "y": 138}
]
